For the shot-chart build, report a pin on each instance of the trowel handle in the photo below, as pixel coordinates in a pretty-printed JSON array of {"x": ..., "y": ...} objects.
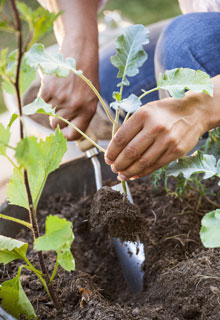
[{"x": 91, "y": 152}]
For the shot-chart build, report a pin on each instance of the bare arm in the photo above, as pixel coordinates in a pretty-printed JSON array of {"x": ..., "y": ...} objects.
[
  {"x": 162, "y": 131},
  {"x": 77, "y": 36}
]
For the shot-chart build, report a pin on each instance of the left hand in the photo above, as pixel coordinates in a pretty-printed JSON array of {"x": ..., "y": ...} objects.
[{"x": 157, "y": 134}]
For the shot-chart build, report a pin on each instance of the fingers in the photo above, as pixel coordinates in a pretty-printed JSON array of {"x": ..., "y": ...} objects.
[{"x": 123, "y": 136}]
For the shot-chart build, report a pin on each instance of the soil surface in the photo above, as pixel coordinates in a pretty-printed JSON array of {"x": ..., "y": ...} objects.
[{"x": 181, "y": 277}]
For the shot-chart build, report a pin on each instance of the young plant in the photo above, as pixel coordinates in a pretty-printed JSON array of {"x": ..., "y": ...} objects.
[{"x": 35, "y": 160}]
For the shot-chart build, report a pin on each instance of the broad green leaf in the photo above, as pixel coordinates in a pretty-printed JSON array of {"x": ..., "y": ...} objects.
[
  {"x": 14, "y": 116},
  {"x": 4, "y": 138},
  {"x": 38, "y": 106},
  {"x": 210, "y": 231},
  {"x": 27, "y": 74},
  {"x": 40, "y": 21},
  {"x": 39, "y": 158},
  {"x": 16, "y": 192},
  {"x": 176, "y": 81},
  {"x": 198, "y": 163},
  {"x": 130, "y": 54},
  {"x": 58, "y": 237},
  {"x": 50, "y": 63},
  {"x": 11, "y": 249},
  {"x": 130, "y": 104},
  {"x": 14, "y": 299}
]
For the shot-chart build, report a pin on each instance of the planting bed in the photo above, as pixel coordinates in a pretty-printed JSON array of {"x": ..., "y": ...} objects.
[{"x": 181, "y": 277}]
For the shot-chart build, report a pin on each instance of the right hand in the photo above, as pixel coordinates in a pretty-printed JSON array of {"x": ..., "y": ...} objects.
[{"x": 72, "y": 97}]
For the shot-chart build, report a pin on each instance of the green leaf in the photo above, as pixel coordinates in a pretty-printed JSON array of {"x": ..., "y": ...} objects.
[
  {"x": 176, "y": 81},
  {"x": 130, "y": 54},
  {"x": 58, "y": 237},
  {"x": 11, "y": 249},
  {"x": 198, "y": 163},
  {"x": 116, "y": 95},
  {"x": 12, "y": 119},
  {"x": 27, "y": 74},
  {"x": 4, "y": 138},
  {"x": 130, "y": 104},
  {"x": 4, "y": 26},
  {"x": 39, "y": 158},
  {"x": 210, "y": 231},
  {"x": 40, "y": 21},
  {"x": 14, "y": 299},
  {"x": 50, "y": 63},
  {"x": 38, "y": 106},
  {"x": 16, "y": 192}
]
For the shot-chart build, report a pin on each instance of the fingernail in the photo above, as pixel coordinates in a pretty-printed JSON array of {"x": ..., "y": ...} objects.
[
  {"x": 108, "y": 161},
  {"x": 121, "y": 177},
  {"x": 113, "y": 169}
]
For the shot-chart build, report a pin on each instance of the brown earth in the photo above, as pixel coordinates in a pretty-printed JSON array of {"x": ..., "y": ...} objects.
[{"x": 181, "y": 281}]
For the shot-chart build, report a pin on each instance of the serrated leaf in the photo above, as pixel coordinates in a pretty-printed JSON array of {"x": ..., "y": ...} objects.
[
  {"x": 38, "y": 106},
  {"x": 39, "y": 158},
  {"x": 210, "y": 231},
  {"x": 11, "y": 249},
  {"x": 16, "y": 192},
  {"x": 27, "y": 74},
  {"x": 130, "y": 54},
  {"x": 14, "y": 299},
  {"x": 58, "y": 237},
  {"x": 50, "y": 63},
  {"x": 40, "y": 20},
  {"x": 198, "y": 163},
  {"x": 130, "y": 104},
  {"x": 176, "y": 81},
  {"x": 4, "y": 138}
]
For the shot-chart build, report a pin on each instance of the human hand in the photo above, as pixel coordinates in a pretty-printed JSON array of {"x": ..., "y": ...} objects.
[
  {"x": 157, "y": 134},
  {"x": 73, "y": 99}
]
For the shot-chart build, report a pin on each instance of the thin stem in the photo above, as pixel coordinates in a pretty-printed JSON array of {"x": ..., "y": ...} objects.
[
  {"x": 147, "y": 92},
  {"x": 98, "y": 96},
  {"x": 124, "y": 189},
  {"x": 54, "y": 271},
  {"x": 81, "y": 132},
  {"x": 126, "y": 118},
  {"x": 115, "y": 125},
  {"x": 10, "y": 147},
  {"x": 11, "y": 161},
  {"x": 24, "y": 223}
]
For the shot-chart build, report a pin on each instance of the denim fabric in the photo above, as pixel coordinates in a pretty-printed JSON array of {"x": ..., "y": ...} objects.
[{"x": 191, "y": 40}]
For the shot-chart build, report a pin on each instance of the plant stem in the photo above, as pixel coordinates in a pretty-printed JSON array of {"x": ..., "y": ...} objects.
[
  {"x": 24, "y": 223},
  {"x": 54, "y": 271},
  {"x": 89, "y": 83},
  {"x": 126, "y": 118},
  {"x": 32, "y": 213},
  {"x": 10, "y": 160},
  {"x": 115, "y": 124},
  {"x": 81, "y": 132},
  {"x": 147, "y": 92},
  {"x": 10, "y": 147}
]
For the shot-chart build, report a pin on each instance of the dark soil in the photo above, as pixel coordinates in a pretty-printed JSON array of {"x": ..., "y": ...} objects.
[
  {"x": 116, "y": 217},
  {"x": 181, "y": 281}
]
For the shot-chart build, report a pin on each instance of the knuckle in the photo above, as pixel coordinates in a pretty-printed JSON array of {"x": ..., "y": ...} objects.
[
  {"x": 172, "y": 141},
  {"x": 143, "y": 163},
  {"x": 131, "y": 152},
  {"x": 119, "y": 139},
  {"x": 179, "y": 150}
]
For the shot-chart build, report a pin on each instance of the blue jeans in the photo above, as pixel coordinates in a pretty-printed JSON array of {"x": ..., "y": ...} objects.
[{"x": 189, "y": 41}]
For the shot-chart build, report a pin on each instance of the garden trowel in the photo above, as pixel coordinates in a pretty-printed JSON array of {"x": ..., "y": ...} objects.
[{"x": 131, "y": 254}]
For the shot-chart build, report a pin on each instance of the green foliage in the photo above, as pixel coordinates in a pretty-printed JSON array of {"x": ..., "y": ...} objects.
[
  {"x": 14, "y": 116},
  {"x": 39, "y": 158},
  {"x": 14, "y": 299},
  {"x": 38, "y": 106},
  {"x": 11, "y": 249},
  {"x": 199, "y": 163},
  {"x": 58, "y": 237},
  {"x": 130, "y": 104},
  {"x": 130, "y": 54},
  {"x": 210, "y": 231},
  {"x": 50, "y": 63},
  {"x": 4, "y": 26},
  {"x": 4, "y": 138},
  {"x": 39, "y": 20},
  {"x": 176, "y": 81}
]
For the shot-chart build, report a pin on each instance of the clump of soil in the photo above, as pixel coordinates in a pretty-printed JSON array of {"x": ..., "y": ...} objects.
[{"x": 116, "y": 217}]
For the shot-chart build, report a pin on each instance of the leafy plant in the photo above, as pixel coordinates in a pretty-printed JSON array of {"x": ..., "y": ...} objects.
[{"x": 35, "y": 159}]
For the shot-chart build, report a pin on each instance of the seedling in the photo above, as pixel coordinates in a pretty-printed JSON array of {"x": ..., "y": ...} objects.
[{"x": 35, "y": 159}]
